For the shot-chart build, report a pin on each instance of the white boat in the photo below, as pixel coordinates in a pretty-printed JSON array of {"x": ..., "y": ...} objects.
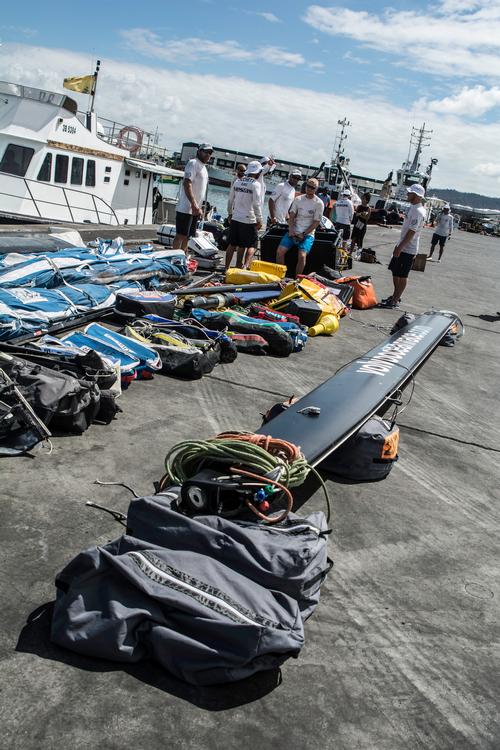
[{"x": 61, "y": 165}]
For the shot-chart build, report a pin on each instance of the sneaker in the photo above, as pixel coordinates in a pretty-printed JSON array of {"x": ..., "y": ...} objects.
[
  {"x": 438, "y": 260},
  {"x": 386, "y": 301}
]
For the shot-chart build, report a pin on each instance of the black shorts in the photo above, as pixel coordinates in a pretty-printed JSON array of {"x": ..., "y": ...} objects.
[
  {"x": 344, "y": 228},
  {"x": 401, "y": 266},
  {"x": 438, "y": 238},
  {"x": 242, "y": 235},
  {"x": 186, "y": 224}
]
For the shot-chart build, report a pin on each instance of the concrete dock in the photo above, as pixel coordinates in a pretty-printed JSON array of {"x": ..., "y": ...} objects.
[{"x": 403, "y": 652}]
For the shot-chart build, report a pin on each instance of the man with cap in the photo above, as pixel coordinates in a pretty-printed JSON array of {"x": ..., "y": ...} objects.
[
  {"x": 268, "y": 166},
  {"x": 304, "y": 217},
  {"x": 407, "y": 247},
  {"x": 344, "y": 211},
  {"x": 244, "y": 208},
  {"x": 283, "y": 197},
  {"x": 442, "y": 232},
  {"x": 191, "y": 196}
]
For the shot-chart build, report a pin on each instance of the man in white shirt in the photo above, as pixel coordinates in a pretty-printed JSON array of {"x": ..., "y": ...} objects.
[
  {"x": 407, "y": 247},
  {"x": 344, "y": 211},
  {"x": 442, "y": 232},
  {"x": 191, "y": 196},
  {"x": 244, "y": 208},
  {"x": 305, "y": 216},
  {"x": 283, "y": 197}
]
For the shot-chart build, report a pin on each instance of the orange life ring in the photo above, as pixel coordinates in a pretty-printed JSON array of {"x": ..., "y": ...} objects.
[{"x": 123, "y": 140}]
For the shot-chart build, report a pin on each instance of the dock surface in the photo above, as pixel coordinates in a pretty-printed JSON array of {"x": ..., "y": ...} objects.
[{"x": 403, "y": 650}]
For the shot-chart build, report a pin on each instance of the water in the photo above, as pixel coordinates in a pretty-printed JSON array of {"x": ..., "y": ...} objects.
[{"x": 217, "y": 196}]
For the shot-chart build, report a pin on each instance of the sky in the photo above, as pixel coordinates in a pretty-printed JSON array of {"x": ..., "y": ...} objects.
[{"x": 275, "y": 77}]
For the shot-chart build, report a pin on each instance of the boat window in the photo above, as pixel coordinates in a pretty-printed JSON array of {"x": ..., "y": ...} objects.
[
  {"x": 76, "y": 171},
  {"x": 45, "y": 169},
  {"x": 107, "y": 169},
  {"x": 61, "y": 171},
  {"x": 16, "y": 159},
  {"x": 90, "y": 173}
]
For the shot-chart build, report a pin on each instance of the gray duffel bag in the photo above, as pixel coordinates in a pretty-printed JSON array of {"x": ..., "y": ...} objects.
[
  {"x": 290, "y": 557},
  {"x": 201, "y": 620}
]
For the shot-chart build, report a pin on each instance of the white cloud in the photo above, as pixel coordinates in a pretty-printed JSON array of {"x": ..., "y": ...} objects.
[
  {"x": 472, "y": 101},
  {"x": 293, "y": 123},
  {"x": 268, "y": 17},
  {"x": 354, "y": 58},
  {"x": 490, "y": 169},
  {"x": 453, "y": 38},
  {"x": 191, "y": 49}
]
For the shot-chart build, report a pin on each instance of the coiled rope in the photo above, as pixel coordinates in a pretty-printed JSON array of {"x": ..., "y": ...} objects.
[{"x": 245, "y": 451}]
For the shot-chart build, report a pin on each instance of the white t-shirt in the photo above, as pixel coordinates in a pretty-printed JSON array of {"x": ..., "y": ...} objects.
[
  {"x": 195, "y": 171},
  {"x": 244, "y": 203},
  {"x": 344, "y": 211},
  {"x": 306, "y": 211},
  {"x": 444, "y": 227},
  {"x": 283, "y": 197},
  {"x": 414, "y": 220}
]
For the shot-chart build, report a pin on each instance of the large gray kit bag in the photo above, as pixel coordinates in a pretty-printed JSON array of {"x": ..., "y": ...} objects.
[{"x": 212, "y": 601}]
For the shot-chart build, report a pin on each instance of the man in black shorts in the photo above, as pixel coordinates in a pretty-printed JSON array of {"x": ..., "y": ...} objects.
[
  {"x": 244, "y": 208},
  {"x": 407, "y": 247},
  {"x": 191, "y": 196}
]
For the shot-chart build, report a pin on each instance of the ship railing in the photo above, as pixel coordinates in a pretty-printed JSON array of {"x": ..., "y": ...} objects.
[
  {"x": 56, "y": 203},
  {"x": 114, "y": 133}
]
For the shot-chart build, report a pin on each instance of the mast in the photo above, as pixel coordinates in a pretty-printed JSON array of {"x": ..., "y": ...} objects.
[
  {"x": 338, "y": 145},
  {"x": 97, "y": 68},
  {"x": 337, "y": 159},
  {"x": 420, "y": 138}
]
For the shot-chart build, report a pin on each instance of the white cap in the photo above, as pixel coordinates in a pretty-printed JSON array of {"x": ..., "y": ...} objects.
[
  {"x": 253, "y": 167},
  {"x": 205, "y": 147},
  {"x": 417, "y": 190},
  {"x": 346, "y": 192},
  {"x": 446, "y": 205},
  {"x": 265, "y": 159},
  {"x": 295, "y": 173}
]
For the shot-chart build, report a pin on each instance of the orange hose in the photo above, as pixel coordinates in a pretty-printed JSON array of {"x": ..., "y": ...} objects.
[{"x": 274, "y": 446}]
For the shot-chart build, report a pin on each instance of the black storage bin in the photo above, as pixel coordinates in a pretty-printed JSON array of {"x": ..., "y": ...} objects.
[
  {"x": 323, "y": 251},
  {"x": 306, "y": 310}
]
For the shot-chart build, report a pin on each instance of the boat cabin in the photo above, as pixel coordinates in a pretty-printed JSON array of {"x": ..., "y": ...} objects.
[{"x": 61, "y": 165}]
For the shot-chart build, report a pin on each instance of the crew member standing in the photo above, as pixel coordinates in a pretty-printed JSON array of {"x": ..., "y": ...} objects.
[
  {"x": 282, "y": 198},
  {"x": 344, "y": 211},
  {"x": 407, "y": 247},
  {"x": 244, "y": 209},
  {"x": 304, "y": 217},
  {"x": 191, "y": 196},
  {"x": 442, "y": 232},
  {"x": 361, "y": 217}
]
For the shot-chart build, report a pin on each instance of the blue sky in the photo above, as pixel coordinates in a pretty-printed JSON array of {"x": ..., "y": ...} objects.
[{"x": 277, "y": 76}]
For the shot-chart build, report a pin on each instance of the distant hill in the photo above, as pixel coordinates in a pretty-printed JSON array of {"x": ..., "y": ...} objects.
[{"x": 466, "y": 199}]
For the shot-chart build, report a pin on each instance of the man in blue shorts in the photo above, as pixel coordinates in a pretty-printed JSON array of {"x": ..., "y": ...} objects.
[{"x": 303, "y": 219}]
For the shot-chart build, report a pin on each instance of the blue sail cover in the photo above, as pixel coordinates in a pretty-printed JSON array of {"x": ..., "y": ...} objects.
[
  {"x": 40, "y": 289},
  {"x": 76, "y": 265},
  {"x": 25, "y": 311}
]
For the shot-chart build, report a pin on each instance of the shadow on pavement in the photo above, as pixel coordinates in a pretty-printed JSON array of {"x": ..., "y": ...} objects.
[{"x": 35, "y": 639}]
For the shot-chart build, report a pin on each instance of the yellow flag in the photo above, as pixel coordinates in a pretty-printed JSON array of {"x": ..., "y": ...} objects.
[{"x": 83, "y": 84}]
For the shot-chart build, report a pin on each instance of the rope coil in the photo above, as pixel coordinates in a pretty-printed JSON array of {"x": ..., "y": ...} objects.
[{"x": 243, "y": 452}]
